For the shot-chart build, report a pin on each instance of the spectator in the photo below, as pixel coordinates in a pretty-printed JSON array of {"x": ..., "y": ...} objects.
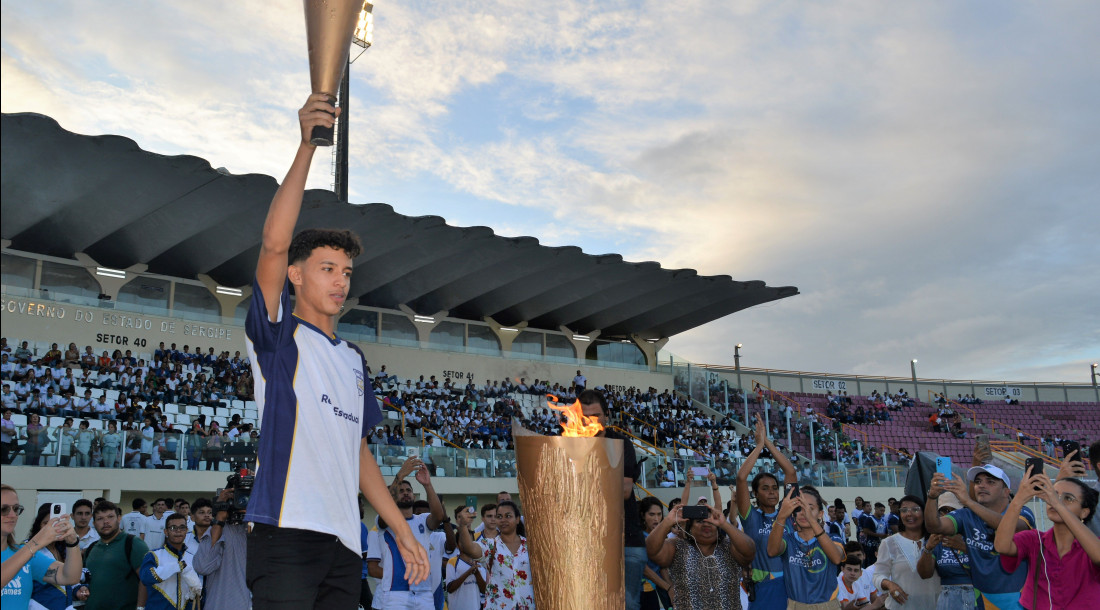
[
  {"x": 8, "y": 436},
  {"x": 136, "y": 522},
  {"x": 45, "y": 594},
  {"x": 37, "y": 437},
  {"x": 115, "y": 583},
  {"x": 509, "y": 568},
  {"x": 853, "y": 591},
  {"x": 655, "y": 593},
  {"x": 1072, "y": 552},
  {"x": 697, "y": 580},
  {"x": 896, "y": 568},
  {"x": 154, "y": 525},
  {"x": 82, "y": 519},
  {"x": 441, "y": 547},
  {"x": 168, "y": 570},
  {"x": 465, "y": 578},
  {"x": 946, "y": 557},
  {"x": 805, "y": 548},
  {"x": 978, "y": 520},
  {"x": 222, "y": 557},
  {"x": 202, "y": 517},
  {"x": 396, "y": 590},
  {"x": 767, "y": 570},
  {"x": 488, "y": 526},
  {"x": 24, "y": 566},
  {"x": 872, "y": 530},
  {"x": 112, "y": 445}
]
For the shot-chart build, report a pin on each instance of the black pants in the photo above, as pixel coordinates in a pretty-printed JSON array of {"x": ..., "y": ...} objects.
[{"x": 292, "y": 569}]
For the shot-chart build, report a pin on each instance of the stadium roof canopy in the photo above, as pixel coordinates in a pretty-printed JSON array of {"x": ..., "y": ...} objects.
[{"x": 64, "y": 193}]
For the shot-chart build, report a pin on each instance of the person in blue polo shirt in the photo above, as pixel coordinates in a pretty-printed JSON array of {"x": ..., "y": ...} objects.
[
  {"x": 810, "y": 557},
  {"x": 977, "y": 521},
  {"x": 767, "y": 571}
]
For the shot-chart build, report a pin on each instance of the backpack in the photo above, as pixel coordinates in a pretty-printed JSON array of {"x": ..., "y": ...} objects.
[{"x": 129, "y": 550}]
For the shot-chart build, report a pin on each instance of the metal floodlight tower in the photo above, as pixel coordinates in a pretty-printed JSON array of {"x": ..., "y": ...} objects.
[{"x": 363, "y": 37}]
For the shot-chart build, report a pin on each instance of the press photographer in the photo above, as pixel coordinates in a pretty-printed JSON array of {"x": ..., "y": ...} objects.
[{"x": 222, "y": 552}]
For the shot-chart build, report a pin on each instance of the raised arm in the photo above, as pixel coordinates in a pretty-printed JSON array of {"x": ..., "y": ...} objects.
[
  {"x": 933, "y": 522},
  {"x": 741, "y": 496},
  {"x": 689, "y": 477},
  {"x": 926, "y": 565},
  {"x": 956, "y": 486},
  {"x": 776, "y": 544},
  {"x": 660, "y": 548},
  {"x": 743, "y": 547},
  {"x": 282, "y": 216},
  {"x": 437, "y": 515},
  {"x": 417, "y": 564},
  {"x": 466, "y": 542}
]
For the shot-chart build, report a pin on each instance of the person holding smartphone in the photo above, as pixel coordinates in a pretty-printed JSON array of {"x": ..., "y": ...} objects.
[
  {"x": 767, "y": 571},
  {"x": 806, "y": 550},
  {"x": 23, "y": 565},
  {"x": 704, "y": 564},
  {"x": 1073, "y": 466},
  {"x": 1066, "y": 557}
]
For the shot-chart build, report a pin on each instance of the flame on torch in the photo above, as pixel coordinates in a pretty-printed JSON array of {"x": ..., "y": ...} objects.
[{"x": 577, "y": 423}]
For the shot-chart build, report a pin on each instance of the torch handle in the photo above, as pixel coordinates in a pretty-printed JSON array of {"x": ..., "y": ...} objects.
[{"x": 321, "y": 135}]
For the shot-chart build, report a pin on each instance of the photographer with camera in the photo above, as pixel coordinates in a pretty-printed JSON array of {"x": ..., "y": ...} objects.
[{"x": 223, "y": 551}]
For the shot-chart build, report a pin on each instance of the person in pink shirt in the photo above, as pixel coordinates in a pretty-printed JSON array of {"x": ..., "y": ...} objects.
[{"x": 1063, "y": 563}]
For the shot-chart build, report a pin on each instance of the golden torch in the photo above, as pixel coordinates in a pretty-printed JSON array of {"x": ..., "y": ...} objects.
[
  {"x": 330, "y": 25},
  {"x": 572, "y": 492}
]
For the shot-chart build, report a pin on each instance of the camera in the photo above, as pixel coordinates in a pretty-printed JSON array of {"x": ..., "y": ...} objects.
[{"x": 241, "y": 483}]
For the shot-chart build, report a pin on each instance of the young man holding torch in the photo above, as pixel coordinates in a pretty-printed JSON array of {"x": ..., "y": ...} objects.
[{"x": 316, "y": 409}]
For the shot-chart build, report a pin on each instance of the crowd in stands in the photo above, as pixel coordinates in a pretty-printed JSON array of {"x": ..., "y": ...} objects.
[{"x": 115, "y": 406}]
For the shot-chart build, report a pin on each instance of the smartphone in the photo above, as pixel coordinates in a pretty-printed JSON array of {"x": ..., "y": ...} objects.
[
  {"x": 697, "y": 511},
  {"x": 471, "y": 502},
  {"x": 414, "y": 452},
  {"x": 1069, "y": 447},
  {"x": 943, "y": 466},
  {"x": 1033, "y": 466},
  {"x": 56, "y": 510},
  {"x": 700, "y": 471},
  {"x": 787, "y": 490}
]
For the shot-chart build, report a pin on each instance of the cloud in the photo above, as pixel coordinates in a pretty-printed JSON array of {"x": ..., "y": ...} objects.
[{"x": 924, "y": 173}]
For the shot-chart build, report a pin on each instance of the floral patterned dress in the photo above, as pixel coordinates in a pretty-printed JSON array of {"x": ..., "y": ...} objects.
[{"x": 508, "y": 585}]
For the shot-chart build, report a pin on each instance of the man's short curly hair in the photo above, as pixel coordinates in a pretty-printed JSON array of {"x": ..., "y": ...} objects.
[{"x": 307, "y": 241}]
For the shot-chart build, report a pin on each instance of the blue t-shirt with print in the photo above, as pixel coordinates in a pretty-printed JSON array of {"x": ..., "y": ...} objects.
[
  {"x": 759, "y": 526},
  {"x": 17, "y": 593},
  {"x": 952, "y": 566},
  {"x": 809, "y": 576},
  {"x": 985, "y": 563}
]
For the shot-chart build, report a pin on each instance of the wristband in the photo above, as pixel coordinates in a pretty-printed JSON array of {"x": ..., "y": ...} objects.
[
  {"x": 218, "y": 523},
  {"x": 75, "y": 544},
  {"x": 821, "y": 533}
]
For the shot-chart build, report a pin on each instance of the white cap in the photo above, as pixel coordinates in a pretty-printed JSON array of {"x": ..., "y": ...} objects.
[
  {"x": 991, "y": 470},
  {"x": 949, "y": 500}
]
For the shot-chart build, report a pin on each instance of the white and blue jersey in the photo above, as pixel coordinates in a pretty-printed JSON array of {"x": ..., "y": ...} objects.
[
  {"x": 394, "y": 591},
  {"x": 315, "y": 406}
]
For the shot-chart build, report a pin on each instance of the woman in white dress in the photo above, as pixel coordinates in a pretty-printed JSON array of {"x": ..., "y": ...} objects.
[{"x": 896, "y": 568}]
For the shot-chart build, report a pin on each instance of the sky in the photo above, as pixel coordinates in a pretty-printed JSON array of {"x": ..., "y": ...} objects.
[{"x": 926, "y": 173}]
